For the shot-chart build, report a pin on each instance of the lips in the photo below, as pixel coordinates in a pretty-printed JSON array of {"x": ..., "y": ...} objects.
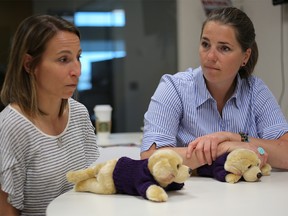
[
  {"x": 211, "y": 68},
  {"x": 72, "y": 85}
]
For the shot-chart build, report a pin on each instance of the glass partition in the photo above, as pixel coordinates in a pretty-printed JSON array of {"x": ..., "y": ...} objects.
[{"x": 127, "y": 46}]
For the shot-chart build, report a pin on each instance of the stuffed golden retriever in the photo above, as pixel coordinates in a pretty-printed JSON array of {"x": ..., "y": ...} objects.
[
  {"x": 149, "y": 178},
  {"x": 238, "y": 164},
  {"x": 244, "y": 163}
]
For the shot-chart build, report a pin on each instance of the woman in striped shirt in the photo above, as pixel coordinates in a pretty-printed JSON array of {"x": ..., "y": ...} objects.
[
  {"x": 219, "y": 106},
  {"x": 43, "y": 132}
]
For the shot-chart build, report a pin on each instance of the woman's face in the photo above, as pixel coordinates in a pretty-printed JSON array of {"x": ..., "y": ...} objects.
[
  {"x": 59, "y": 70},
  {"x": 220, "y": 53}
]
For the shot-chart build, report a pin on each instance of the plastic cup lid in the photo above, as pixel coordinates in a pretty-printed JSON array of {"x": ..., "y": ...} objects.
[{"x": 104, "y": 107}]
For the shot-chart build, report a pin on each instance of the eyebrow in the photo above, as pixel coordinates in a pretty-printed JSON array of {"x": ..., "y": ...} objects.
[
  {"x": 225, "y": 43},
  {"x": 221, "y": 42},
  {"x": 68, "y": 51}
]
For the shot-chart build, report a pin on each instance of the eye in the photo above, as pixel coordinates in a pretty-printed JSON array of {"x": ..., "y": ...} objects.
[
  {"x": 205, "y": 44},
  {"x": 178, "y": 166},
  {"x": 63, "y": 59},
  {"x": 249, "y": 166},
  {"x": 225, "y": 48}
]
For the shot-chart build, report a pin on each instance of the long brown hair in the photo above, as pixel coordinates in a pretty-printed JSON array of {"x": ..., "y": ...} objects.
[{"x": 31, "y": 38}]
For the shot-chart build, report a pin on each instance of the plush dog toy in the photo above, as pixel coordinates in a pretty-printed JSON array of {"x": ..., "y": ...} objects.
[
  {"x": 236, "y": 165},
  {"x": 149, "y": 178}
]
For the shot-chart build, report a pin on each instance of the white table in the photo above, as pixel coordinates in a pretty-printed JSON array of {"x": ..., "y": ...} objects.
[
  {"x": 120, "y": 144},
  {"x": 121, "y": 139},
  {"x": 200, "y": 197}
]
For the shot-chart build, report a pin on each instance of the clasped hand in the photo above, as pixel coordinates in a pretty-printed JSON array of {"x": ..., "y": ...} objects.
[{"x": 207, "y": 148}]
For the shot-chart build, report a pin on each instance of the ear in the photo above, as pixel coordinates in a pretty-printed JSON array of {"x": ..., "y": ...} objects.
[
  {"x": 247, "y": 55},
  {"x": 27, "y": 62}
]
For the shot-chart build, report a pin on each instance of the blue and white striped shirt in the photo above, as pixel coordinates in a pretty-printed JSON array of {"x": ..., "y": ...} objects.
[
  {"x": 34, "y": 164},
  {"x": 182, "y": 109}
]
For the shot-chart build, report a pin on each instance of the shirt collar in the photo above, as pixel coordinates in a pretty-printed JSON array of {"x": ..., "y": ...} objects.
[
  {"x": 203, "y": 95},
  {"x": 201, "y": 92}
]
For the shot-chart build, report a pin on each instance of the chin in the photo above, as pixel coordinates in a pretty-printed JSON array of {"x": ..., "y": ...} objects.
[{"x": 67, "y": 96}]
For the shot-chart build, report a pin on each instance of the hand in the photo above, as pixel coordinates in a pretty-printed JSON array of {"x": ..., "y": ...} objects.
[
  {"x": 263, "y": 158},
  {"x": 205, "y": 147},
  {"x": 230, "y": 146},
  {"x": 262, "y": 154}
]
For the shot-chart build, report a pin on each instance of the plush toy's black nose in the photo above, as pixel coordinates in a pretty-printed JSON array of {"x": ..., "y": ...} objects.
[
  {"x": 190, "y": 171},
  {"x": 259, "y": 175}
]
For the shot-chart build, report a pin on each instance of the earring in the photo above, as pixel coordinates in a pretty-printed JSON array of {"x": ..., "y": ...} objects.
[{"x": 243, "y": 64}]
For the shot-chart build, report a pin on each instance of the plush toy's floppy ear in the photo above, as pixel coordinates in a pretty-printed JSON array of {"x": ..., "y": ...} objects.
[
  {"x": 163, "y": 172},
  {"x": 163, "y": 154},
  {"x": 230, "y": 167},
  {"x": 166, "y": 166}
]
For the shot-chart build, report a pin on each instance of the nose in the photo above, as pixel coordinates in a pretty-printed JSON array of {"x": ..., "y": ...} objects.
[
  {"x": 212, "y": 55},
  {"x": 190, "y": 171},
  {"x": 76, "y": 69},
  {"x": 259, "y": 175}
]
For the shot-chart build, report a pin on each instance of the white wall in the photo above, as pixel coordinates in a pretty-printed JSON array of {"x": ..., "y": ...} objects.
[{"x": 267, "y": 22}]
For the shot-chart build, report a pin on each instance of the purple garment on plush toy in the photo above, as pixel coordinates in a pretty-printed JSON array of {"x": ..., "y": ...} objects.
[
  {"x": 215, "y": 170},
  {"x": 133, "y": 177}
]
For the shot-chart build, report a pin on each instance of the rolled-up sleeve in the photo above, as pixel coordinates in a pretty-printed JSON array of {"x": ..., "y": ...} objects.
[{"x": 161, "y": 121}]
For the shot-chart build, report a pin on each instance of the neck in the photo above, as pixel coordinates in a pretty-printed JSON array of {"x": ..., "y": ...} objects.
[
  {"x": 221, "y": 93},
  {"x": 50, "y": 108},
  {"x": 50, "y": 122}
]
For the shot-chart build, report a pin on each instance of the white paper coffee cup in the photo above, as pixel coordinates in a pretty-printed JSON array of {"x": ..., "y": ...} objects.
[{"x": 103, "y": 122}]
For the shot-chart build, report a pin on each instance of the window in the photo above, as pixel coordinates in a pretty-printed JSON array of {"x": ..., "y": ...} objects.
[{"x": 97, "y": 48}]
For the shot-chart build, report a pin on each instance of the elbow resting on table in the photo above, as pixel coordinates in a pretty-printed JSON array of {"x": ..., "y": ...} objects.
[{"x": 149, "y": 152}]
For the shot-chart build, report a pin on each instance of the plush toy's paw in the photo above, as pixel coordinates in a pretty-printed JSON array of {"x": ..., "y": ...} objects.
[
  {"x": 156, "y": 193},
  {"x": 231, "y": 178},
  {"x": 83, "y": 174},
  {"x": 266, "y": 169},
  {"x": 94, "y": 186},
  {"x": 79, "y": 186},
  {"x": 72, "y": 177}
]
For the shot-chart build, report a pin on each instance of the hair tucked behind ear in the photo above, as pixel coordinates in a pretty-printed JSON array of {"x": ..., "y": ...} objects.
[
  {"x": 245, "y": 33},
  {"x": 31, "y": 38}
]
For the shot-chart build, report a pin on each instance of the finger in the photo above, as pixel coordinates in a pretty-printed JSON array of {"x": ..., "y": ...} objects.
[
  {"x": 262, "y": 155},
  {"x": 207, "y": 153},
  {"x": 199, "y": 153},
  {"x": 264, "y": 159},
  {"x": 190, "y": 149},
  {"x": 214, "y": 151},
  {"x": 194, "y": 143},
  {"x": 191, "y": 146},
  {"x": 189, "y": 152}
]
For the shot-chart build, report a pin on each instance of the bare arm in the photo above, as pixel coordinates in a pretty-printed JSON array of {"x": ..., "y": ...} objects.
[
  {"x": 276, "y": 149},
  {"x": 208, "y": 147},
  {"x": 195, "y": 156},
  {"x": 5, "y": 208},
  {"x": 192, "y": 162}
]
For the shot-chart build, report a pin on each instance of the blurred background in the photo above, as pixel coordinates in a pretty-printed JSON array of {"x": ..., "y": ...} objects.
[{"x": 129, "y": 44}]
